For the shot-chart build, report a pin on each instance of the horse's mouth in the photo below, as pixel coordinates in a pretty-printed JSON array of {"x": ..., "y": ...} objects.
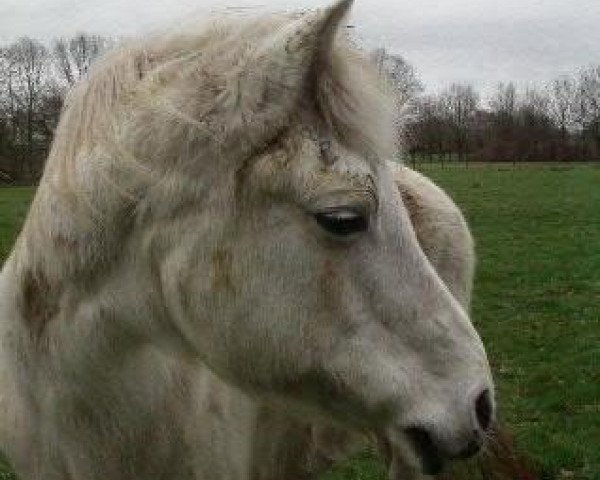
[
  {"x": 412, "y": 459},
  {"x": 431, "y": 458},
  {"x": 414, "y": 454}
]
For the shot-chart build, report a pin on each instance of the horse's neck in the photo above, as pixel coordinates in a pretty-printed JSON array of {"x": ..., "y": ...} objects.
[
  {"x": 72, "y": 320},
  {"x": 96, "y": 350},
  {"x": 99, "y": 366},
  {"x": 77, "y": 280}
]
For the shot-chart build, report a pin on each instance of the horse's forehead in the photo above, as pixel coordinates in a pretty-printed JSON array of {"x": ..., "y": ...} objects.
[{"x": 328, "y": 153}]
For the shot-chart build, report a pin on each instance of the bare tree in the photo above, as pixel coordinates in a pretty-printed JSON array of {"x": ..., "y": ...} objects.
[
  {"x": 8, "y": 127},
  {"x": 33, "y": 81},
  {"x": 535, "y": 128},
  {"x": 503, "y": 106},
  {"x": 504, "y": 101},
  {"x": 461, "y": 102},
  {"x": 402, "y": 75},
  {"x": 405, "y": 86},
  {"x": 562, "y": 94},
  {"x": 28, "y": 80},
  {"x": 74, "y": 56},
  {"x": 427, "y": 130},
  {"x": 588, "y": 105}
]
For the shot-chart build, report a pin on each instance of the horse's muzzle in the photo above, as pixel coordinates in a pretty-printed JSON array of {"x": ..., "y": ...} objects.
[{"x": 421, "y": 450}]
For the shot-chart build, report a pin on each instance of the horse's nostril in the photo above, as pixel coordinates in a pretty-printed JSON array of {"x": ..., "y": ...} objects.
[{"x": 483, "y": 409}]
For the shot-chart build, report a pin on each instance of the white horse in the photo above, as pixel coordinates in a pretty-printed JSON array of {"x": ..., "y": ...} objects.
[{"x": 217, "y": 251}]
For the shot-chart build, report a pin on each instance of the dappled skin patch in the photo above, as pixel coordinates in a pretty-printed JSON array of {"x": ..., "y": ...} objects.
[
  {"x": 412, "y": 204},
  {"x": 38, "y": 302},
  {"x": 63, "y": 242}
]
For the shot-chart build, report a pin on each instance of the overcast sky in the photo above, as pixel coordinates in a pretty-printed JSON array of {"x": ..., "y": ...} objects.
[{"x": 478, "y": 41}]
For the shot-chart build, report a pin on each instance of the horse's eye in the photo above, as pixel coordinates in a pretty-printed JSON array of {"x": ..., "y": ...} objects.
[{"x": 342, "y": 222}]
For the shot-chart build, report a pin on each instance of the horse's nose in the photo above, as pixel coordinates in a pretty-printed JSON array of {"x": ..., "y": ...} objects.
[{"x": 434, "y": 446}]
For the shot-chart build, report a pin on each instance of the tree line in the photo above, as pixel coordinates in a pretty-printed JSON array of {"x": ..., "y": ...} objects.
[{"x": 557, "y": 122}]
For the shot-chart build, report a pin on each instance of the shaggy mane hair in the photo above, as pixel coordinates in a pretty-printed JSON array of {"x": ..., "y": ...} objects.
[{"x": 347, "y": 90}]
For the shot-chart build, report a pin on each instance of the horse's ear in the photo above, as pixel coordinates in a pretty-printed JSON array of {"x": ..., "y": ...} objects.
[
  {"x": 264, "y": 91},
  {"x": 285, "y": 59},
  {"x": 302, "y": 41}
]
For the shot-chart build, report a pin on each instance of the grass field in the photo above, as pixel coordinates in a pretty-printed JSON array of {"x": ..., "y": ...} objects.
[
  {"x": 536, "y": 303},
  {"x": 14, "y": 203}
]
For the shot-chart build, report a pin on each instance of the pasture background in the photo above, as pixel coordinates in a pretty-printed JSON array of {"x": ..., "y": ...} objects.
[{"x": 536, "y": 303}]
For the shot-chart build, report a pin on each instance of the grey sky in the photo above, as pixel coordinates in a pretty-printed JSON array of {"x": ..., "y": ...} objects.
[{"x": 478, "y": 41}]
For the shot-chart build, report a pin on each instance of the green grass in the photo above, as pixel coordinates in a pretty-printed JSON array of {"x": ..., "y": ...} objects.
[
  {"x": 14, "y": 202},
  {"x": 536, "y": 304},
  {"x": 364, "y": 466}
]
